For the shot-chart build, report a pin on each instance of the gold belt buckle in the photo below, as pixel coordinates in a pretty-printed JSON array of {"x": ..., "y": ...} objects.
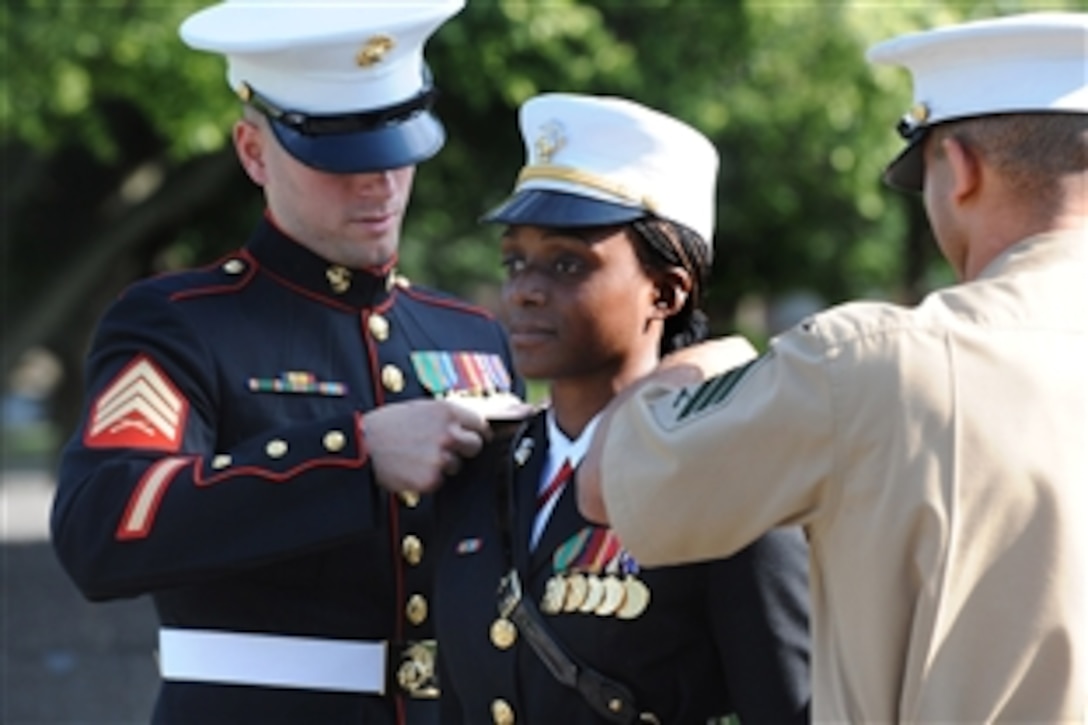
[{"x": 417, "y": 671}]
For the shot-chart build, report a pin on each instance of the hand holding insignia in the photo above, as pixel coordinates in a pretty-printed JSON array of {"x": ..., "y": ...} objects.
[{"x": 415, "y": 444}]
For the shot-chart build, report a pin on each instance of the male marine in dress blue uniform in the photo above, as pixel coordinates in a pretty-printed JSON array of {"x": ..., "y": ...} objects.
[{"x": 224, "y": 462}]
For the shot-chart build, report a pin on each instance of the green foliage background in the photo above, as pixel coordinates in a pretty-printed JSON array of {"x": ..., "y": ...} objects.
[{"x": 117, "y": 164}]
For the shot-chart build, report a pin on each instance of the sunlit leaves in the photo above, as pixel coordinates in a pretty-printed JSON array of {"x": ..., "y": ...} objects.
[{"x": 803, "y": 124}]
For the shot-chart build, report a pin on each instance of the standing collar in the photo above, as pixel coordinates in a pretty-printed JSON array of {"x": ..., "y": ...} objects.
[{"x": 299, "y": 267}]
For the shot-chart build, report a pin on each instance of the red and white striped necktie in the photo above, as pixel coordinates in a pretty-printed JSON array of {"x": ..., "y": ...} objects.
[
  {"x": 556, "y": 485},
  {"x": 545, "y": 500}
]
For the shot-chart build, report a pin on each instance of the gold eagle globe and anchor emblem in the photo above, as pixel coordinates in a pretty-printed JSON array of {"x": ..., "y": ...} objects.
[
  {"x": 374, "y": 50},
  {"x": 549, "y": 141},
  {"x": 339, "y": 278}
]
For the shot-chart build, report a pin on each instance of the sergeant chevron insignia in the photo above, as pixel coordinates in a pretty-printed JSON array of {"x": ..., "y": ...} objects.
[
  {"x": 709, "y": 393},
  {"x": 140, "y": 408},
  {"x": 671, "y": 411}
]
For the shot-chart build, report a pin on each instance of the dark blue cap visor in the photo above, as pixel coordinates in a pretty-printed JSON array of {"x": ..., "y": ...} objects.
[
  {"x": 398, "y": 144},
  {"x": 907, "y": 171},
  {"x": 547, "y": 208}
]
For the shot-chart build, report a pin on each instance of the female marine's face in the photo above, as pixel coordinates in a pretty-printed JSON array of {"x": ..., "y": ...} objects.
[{"x": 577, "y": 302}]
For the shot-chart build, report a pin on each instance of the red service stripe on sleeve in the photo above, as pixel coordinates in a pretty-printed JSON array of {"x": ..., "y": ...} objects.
[{"x": 145, "y": 500}]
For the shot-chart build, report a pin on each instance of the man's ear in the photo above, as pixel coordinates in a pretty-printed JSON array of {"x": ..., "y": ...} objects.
[
  {"x": 965, "y": 166},
  {"x": 672, "y": 290},
  {"x": 249, "y": 140}
]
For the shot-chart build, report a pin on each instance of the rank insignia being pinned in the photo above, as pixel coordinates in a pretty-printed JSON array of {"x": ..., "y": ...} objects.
[{"x": 298, "y": 382}]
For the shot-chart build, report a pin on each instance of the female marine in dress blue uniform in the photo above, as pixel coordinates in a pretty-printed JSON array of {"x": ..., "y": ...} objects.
[{"x": 607, "y": 248}]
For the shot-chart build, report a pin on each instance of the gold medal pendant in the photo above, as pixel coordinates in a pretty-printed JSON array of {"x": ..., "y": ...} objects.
[
  {"x": 577, "y": 588},
  {"x": 503, "y": 633},
  {"x": 636, "y": 600},
  {"x": 594, "y": 594},
  {"x": 614, "y": 596},
  {"x": 555, "y": 593}
]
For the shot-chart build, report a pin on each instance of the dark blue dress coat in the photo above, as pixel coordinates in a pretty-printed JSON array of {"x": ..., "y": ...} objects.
[
  {"x": 720, "y": 637},
  {"x": 220, "y": 465}
]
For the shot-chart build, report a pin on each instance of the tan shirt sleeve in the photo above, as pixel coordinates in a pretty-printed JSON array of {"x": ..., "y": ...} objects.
[{"x": 698, "y": 472}]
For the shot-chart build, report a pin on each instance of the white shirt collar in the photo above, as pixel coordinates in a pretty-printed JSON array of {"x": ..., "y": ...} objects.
[{"x": 561, "y": 448}]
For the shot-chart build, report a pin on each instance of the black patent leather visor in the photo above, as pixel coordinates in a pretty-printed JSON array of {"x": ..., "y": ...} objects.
[
  {"x": 547, "y": 208},
  {"x": 906, "y": 172},
  {"x": 388, "y": 138}
]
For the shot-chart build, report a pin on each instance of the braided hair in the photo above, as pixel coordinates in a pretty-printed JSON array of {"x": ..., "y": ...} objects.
[{"x": 660, "y": 244}]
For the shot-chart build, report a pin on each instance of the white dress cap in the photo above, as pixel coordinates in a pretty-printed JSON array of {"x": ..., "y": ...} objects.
[
  {"x": 322, "y": 57},
  {"x": 627, "y": 160},
  {"x": 1032, "y": 62},
  {"x": 344, "y": 84}
]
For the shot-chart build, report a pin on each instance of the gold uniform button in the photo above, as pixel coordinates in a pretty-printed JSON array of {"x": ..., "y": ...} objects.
[
  {"x": 416, "y": 609},
  {"x": 502, "y": 713},
  {"x": 379, "y": 327},
  {"x": 234, "y": 266},
  {"x": 221, "y": 461},
  {"x": 276, "y": 448},
  {"x": 503, "y": 633},
  {"x": 392, "y": 378},
  {"x": 334, "y": 441},
  {"x": 409, "y": 498},
  {"x": 412, "y": 548}
]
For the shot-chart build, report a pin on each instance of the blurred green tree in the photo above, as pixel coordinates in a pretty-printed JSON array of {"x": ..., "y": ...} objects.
[{"x": 117, "y": 161}]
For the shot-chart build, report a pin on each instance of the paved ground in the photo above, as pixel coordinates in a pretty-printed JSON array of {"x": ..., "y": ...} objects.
[{"x": 63, "y": 661}]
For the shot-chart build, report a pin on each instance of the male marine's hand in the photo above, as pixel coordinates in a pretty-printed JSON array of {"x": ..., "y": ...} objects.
[{"x": 414, "y": 445}]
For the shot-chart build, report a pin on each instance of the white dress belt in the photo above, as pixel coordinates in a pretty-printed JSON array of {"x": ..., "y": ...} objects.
[{"x": 308, "y": 663}]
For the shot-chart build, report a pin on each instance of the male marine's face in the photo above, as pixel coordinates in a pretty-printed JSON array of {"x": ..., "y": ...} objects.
[{"x": 350, "y": 219}]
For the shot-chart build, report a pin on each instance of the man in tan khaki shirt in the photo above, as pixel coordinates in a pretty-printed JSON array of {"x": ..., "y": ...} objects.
[{"x": 937, "y": 455}]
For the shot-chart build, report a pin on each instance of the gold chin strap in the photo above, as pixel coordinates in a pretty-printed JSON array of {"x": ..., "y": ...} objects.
[{"x": 566, "y": 173}]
